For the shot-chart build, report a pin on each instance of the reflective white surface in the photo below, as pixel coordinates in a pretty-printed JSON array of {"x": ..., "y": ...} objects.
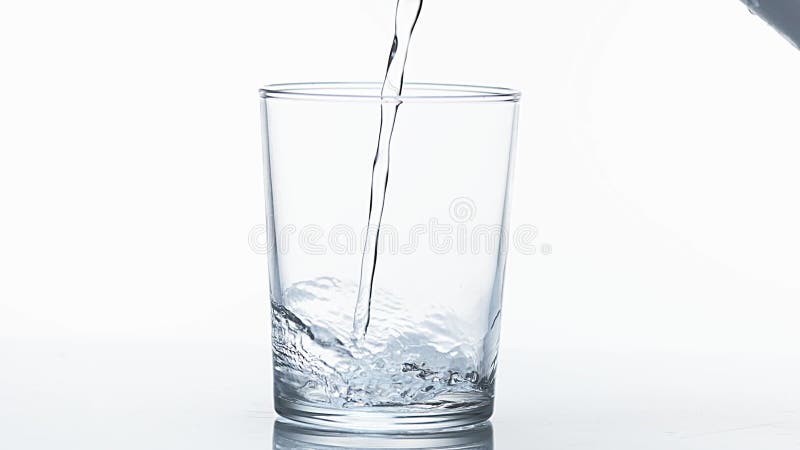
[
  {"x": 201, "y": 395},
  {"x": 657, "y": 158}
]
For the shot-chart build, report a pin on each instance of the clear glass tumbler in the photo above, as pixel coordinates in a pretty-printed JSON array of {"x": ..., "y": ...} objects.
[{"x": 429, "y": 357}]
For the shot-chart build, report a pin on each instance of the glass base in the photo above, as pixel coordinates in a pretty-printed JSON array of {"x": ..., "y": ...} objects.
[
  {"x": 290, "y": 435},
  {"x": 385, "y": 419}
]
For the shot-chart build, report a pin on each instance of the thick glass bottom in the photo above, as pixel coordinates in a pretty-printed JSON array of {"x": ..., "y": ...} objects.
[
  {"x": 385, "y": 419},
  {"x": 291, "y": 436}
]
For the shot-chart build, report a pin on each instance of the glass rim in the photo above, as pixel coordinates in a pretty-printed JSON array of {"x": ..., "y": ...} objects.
[{"x": 370, "y": 92}]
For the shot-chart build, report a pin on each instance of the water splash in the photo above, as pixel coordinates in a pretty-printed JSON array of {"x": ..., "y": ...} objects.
[{"x": 405, "y": 362}]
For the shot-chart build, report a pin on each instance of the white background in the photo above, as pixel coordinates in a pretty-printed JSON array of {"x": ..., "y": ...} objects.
[{"x": 658, "y": 157}]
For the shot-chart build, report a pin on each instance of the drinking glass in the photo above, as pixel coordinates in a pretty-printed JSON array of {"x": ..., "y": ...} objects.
[{"x": 429, "y": 356}]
